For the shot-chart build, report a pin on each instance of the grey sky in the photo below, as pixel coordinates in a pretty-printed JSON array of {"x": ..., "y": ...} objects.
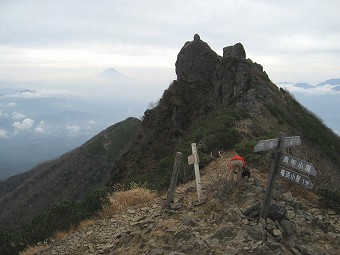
[{"x": 294, "y": 40}]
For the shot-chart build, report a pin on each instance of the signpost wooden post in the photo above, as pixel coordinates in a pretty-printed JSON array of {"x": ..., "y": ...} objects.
[
  {"x": 193, "y": 159},
  {"x": 273, "y": 171},
  {"x": 279, "y": 163}
]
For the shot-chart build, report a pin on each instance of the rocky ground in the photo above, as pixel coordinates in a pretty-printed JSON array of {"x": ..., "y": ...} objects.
[{"x": 216, "y": 225}]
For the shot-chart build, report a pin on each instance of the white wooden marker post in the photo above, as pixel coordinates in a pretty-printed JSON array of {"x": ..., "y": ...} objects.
[{"x": 193, "y": 159}]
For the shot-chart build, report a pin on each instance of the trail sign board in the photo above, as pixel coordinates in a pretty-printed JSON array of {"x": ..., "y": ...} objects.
[
  {"x": 276, "y": 168},
  {"x": 192, "y": 158},
  {"x": 292, "y": 141},
  {"x": 295, "y": 177},
  {"x": 298, "y": 164},
  {"x": 265, "y": 145}
]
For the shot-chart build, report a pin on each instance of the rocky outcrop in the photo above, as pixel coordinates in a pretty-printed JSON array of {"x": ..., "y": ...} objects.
[
  {"x": 196, "y": 62},
  {"x": 236, "y": 51},
  {"x": 208, "y": 83},
  {"x": 230, "y": 76}
]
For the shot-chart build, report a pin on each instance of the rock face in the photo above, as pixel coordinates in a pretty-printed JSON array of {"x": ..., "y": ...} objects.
[
  {"x": 196, "y": 61},
  {"x": 236, "y": 51}
]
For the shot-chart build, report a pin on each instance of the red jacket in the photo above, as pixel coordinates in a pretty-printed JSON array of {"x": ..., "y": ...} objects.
[{"x": 237, "y": 157}]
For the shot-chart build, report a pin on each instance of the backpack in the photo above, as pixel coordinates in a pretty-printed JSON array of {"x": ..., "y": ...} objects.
[{"x": 245, "y": 172}]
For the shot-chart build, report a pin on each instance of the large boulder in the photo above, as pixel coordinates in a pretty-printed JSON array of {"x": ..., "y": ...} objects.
[
  {"x": 196, "y": 62},
  {"x": 236, "y": 51}
]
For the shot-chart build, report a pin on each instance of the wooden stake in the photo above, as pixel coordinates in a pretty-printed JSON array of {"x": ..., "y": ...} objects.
[{"x": 175, "y": 171}]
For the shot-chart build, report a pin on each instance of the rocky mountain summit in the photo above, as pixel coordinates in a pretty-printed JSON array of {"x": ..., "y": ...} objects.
[
  {"x": 208, "y": 86},
  {"x": 216, "y": 225}
]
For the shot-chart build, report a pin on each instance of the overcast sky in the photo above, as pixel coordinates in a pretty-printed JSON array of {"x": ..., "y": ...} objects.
[{"x": 295, "y": 41}]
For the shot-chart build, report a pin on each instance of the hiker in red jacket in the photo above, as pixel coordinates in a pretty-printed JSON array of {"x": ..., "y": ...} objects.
[{"x": 236, "y": 165}]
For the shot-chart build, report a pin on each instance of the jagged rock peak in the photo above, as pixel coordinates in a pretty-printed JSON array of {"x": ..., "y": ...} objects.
[
  {"x": 196, "y": 61},
  {"x": 236, "y": 51}
]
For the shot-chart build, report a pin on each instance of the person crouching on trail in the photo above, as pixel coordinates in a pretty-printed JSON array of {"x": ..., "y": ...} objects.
[{"x": 236, "y": 165}]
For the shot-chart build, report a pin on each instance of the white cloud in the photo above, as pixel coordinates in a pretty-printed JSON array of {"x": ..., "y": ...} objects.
[
  {"x": 144, "y": 33},
  {"x": 4, "y": 114},
  {"x": 91, "y": 124},
  {"x": 3, "y": 133},
  {"x": 41, "y": 127},
  {"x": 17, "y": 116},
  {"x": 316, "y": 90},
  {"x": 11, "y": 105},
  {"x": 43, "y": 93},
  {"x": 24, "y": 125},
  {"x": 73, "y": 128}
]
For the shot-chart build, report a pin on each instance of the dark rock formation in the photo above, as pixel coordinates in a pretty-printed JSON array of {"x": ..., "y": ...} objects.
[
  {"x": 236, "y": 51},
  {"x": 196, "y": 61}
]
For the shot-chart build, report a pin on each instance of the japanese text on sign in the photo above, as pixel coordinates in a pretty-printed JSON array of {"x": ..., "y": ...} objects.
[
  {"x": 296, "y": 177},
  {"x": 297, "y": 164}
]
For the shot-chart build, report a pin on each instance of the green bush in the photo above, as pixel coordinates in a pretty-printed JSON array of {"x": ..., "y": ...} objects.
[
  {"x": 157, "y": 179},
  {"x": 330, "y": 198},
  {"x": 245, "y": 148},
  {"x": 60, "y": 216},
  {"x": 10, "y": 243}
]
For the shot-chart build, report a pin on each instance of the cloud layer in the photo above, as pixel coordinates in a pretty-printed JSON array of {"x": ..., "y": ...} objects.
[{"x": 295, "y": 40}]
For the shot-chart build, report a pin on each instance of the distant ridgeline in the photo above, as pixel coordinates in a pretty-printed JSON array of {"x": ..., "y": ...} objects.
[{"x": 71, "y": 176}]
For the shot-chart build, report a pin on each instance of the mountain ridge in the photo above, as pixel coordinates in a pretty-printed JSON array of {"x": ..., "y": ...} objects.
[
  {"x": 218, "y": 224},
  {"x": 71, "y": 176},
  {"x": 249, "y": 104},
  {"x": 219, "y": 102}
]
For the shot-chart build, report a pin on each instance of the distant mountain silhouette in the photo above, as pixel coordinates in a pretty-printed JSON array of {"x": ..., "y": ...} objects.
[
  {"x": 112, "y": 75},
  {"x": 330, "y": 82}
]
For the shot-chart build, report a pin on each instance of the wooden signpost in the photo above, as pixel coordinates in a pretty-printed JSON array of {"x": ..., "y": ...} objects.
[
  {"x": 265, "y": 145},
  {"x": 193, "y": 159},
  {"x": 279, "y": 164},
  {"x": 175, "y": 171}
]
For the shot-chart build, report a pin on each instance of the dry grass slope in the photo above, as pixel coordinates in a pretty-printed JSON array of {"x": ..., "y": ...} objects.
[{"x": 119, "y": 201}]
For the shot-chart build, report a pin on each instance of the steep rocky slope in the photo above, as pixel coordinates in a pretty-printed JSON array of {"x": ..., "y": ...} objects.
[{"x": 214, "y": 226}]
